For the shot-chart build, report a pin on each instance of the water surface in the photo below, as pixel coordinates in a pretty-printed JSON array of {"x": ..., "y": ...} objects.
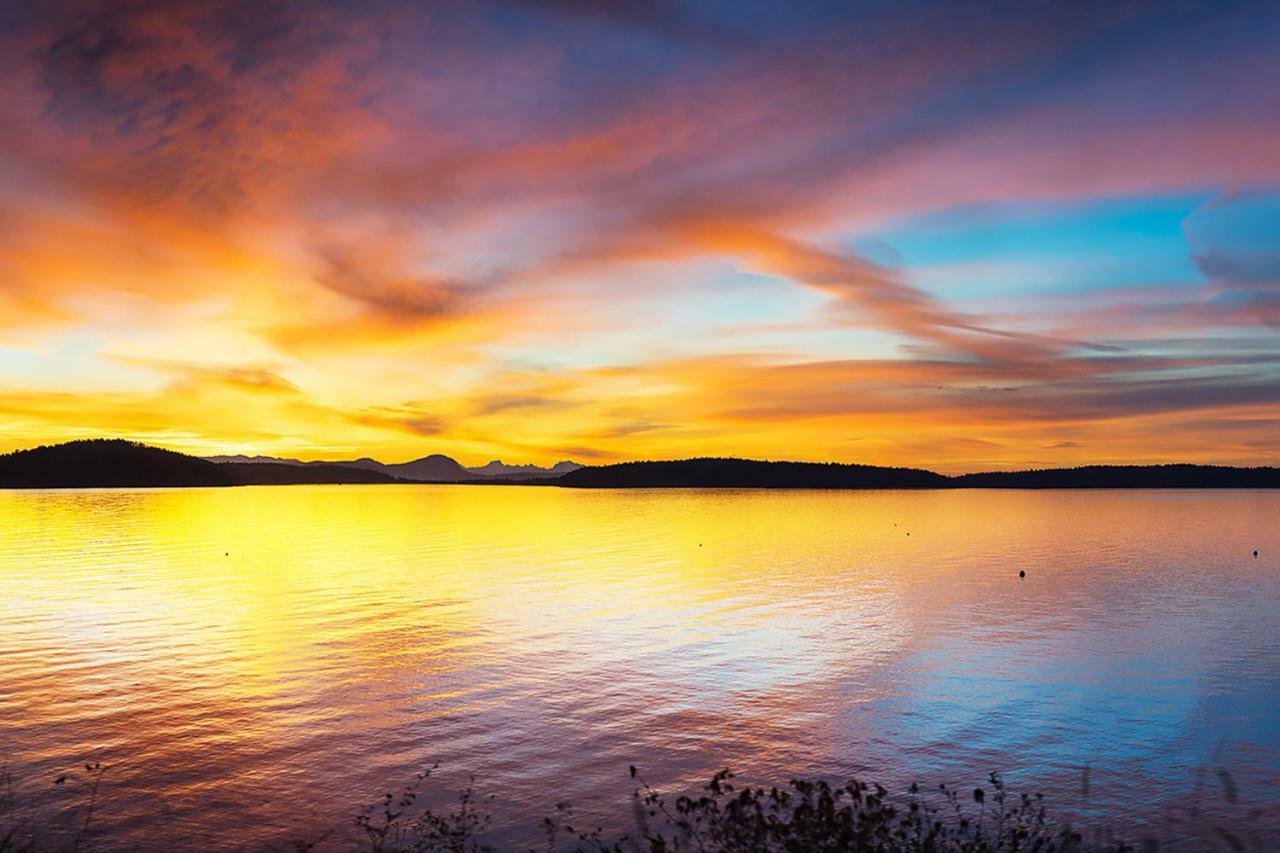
[{"x": 254, "y": 664}]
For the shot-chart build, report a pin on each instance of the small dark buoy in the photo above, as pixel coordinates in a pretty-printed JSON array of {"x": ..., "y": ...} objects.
[
  {"x": 1255, "y": 553},
  {"x": 227, "y": 554},
  {"x": 1022, "y": 573}
]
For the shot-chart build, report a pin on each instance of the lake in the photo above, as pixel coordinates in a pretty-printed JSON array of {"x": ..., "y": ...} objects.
[{"x": 254, "y": 664}]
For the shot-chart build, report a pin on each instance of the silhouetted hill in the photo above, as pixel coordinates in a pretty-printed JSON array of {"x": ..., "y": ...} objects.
[
  {"x": 745, "y": 473},
  {"x": 436, "y": 467},
  {"x": 107, "y": 462},
  {"x": 1126, "y": 477}
]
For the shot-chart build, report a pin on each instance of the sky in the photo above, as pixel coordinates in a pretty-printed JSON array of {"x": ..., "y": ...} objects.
[{"x": 950, "y": 235}]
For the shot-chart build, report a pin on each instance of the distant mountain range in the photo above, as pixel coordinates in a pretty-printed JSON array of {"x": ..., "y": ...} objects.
[
  {"x": 497, "y": 468},
  {"x": 103, "y": 463},
  {"x": 435, "y": 468}
]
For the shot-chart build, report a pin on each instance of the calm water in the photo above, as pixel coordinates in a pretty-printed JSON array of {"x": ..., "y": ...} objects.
[{"x": 254, "y": 664}]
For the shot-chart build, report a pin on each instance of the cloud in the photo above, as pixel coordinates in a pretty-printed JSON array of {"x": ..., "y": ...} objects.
[
  {"x": 877, "y": 296},
  {"x": 533, "y": 225},
  {"x": 506, "y": 402},
  {"x": 406, "y": 418},
  {"x": 386, "y": 294},
  {"x": 242, "y": 377}
]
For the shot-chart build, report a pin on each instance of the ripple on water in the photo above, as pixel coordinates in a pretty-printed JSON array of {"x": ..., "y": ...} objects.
[{"x": 257, "y": 663}]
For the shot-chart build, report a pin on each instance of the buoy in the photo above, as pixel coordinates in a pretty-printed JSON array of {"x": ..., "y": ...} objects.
[
  {"x": 1022, "y": 573},
  {"x": 1255, "y": 553}
]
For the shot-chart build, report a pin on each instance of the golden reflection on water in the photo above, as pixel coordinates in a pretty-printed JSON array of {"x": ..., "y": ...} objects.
[{"x": 230, "y": 645}]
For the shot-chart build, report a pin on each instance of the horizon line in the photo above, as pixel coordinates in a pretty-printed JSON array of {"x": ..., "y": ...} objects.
[{"x": 650, "y": 461}]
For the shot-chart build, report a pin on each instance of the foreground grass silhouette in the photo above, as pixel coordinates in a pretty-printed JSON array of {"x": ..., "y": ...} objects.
[{"x": 797, "y": 817}]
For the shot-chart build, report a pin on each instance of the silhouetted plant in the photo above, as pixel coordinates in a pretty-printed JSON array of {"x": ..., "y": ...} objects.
[
  {"x": 391, "y": 826},
  {"x": 798, "y": 817},
  {"x": 17, "y": 835},
  {"x": 12, "y": 826}
]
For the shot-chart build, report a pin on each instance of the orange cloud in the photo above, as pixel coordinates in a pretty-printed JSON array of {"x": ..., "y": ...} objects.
[{"x": 297, "y": 228}]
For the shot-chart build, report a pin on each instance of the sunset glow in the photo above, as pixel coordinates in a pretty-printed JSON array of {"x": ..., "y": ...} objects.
[{"x": 940, "y": 236}]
